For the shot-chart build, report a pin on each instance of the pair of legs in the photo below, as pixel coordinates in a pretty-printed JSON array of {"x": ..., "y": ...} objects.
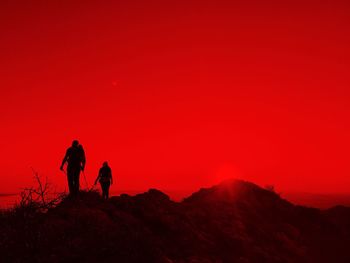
[
  {"x": 73, "y": 173},
  {"x": 105, "y": 189}
]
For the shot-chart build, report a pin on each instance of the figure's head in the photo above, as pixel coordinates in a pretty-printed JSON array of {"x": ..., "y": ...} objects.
[
  {"x": 75, "y": 143},
  {"x": 105, "y": 164}
]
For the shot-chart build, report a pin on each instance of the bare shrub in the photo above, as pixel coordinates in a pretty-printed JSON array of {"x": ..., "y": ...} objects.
[
  {"x": 40, "y": 197},
  {"x": 270, "y": 187}
]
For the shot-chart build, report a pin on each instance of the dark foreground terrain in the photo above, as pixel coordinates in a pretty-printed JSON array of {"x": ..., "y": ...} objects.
[{"x": 235, "y": 221}]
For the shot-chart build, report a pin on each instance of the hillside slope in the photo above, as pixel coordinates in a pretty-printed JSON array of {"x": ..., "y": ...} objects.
[{"x": 234, "y": 221}]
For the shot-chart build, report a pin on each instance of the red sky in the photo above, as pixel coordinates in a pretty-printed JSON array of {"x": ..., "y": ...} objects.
[{"x": 177, "y": 94}]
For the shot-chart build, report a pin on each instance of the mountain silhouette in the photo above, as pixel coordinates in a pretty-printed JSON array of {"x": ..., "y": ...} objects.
[{"x": 235, "y": 221}]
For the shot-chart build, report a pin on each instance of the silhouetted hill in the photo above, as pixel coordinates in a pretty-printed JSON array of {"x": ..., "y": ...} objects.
[
  {"x": 234, "y": 221},
  {"x": 322, "y": 201}
]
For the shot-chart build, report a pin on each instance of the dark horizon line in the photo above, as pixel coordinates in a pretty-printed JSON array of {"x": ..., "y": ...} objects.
[{"x": 185, "y": 190}]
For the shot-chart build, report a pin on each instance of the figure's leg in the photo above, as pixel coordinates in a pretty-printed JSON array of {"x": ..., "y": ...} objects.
[
  {"x": 103, "y": 190},
  {"x": 77, "y": 180},
  {"x": 76, "y": 172},
  {"x": 70, "y": 181},
  {"x": 107, "y": 190}
]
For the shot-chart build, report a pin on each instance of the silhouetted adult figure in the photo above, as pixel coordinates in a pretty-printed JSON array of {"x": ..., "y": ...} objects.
[
  {"x": 75, "y": 158},
  {"x": 105, "y": 178}
]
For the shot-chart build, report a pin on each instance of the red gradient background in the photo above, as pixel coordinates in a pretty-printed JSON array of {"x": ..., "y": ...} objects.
[{"x": 177, "y": 94}]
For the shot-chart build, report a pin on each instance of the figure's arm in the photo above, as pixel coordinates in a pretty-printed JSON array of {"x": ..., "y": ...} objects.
[
  {"x": 64, "y": 160},
  {"x": 111, "y": 177},
  {"x": 98, "y": 177},
  {"x": 83, "y": 161}
]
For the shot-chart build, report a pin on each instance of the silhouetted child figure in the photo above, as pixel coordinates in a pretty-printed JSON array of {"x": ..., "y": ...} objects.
[{"x": 105, "y": 178}]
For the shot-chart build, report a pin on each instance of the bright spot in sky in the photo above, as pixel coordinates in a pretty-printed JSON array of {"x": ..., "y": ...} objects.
[{"x": 226, "y": 171}]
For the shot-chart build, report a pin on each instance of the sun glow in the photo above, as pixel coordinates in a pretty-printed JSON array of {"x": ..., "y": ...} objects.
[{"x": 226, "y": 171}]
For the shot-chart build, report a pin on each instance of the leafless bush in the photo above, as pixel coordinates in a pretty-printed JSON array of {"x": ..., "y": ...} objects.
[
  {"x": 40, "y": 197},
  {"x": 270, "y": 187}
]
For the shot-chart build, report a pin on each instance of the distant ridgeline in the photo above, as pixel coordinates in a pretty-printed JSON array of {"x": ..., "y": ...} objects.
[{"x": 8, "y": 200}]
